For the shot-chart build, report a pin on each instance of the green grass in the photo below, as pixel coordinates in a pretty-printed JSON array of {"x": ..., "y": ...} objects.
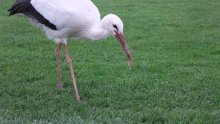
[{"x": 175, "y": 77}]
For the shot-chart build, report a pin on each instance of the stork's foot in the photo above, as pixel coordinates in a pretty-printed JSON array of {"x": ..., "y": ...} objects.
[
  {"x": 78, "y": 100},
  {"x": 60, "y": 85}
]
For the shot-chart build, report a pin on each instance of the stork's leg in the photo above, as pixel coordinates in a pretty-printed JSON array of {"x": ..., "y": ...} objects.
[
  {"x": 69, "y": 61},
  {"x": 57, "y": 51}
]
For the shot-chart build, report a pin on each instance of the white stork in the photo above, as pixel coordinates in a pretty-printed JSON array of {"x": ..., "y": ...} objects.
[{"x": 63, "y": 19}]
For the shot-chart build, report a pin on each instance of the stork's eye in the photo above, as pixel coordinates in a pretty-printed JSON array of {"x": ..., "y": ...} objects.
[{"x": 115, "y": 26}]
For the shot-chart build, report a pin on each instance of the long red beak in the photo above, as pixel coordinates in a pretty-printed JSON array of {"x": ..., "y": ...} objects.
[{"x": 124, "y": 45}]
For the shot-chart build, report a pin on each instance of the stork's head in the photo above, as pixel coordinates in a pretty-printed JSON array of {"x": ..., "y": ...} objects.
[{"x": 115, "y": 26}]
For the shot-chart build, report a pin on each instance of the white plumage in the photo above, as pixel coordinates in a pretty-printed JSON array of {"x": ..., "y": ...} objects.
[
  {"x": 63, "y": 19},
  {"x": 71, "y": 17}
]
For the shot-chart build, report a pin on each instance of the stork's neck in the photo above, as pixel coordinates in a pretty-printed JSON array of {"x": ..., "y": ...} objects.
[{"x": 99, "y": 31}]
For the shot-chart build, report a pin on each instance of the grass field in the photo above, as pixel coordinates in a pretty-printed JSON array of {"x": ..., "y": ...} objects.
[{"x": 175, "y": 77}]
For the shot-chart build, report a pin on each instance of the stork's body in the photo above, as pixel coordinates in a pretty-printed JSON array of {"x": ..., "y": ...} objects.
[{"x": 63, "y": 19}]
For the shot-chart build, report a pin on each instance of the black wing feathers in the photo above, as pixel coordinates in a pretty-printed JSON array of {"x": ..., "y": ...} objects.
[{"x": 25, "y": 7}]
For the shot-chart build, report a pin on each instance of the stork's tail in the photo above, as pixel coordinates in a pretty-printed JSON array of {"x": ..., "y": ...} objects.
[{"x": 20, "y": 6}]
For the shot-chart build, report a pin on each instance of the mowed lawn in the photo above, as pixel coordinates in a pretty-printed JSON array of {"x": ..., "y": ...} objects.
[{"x": 175, "y": 76}]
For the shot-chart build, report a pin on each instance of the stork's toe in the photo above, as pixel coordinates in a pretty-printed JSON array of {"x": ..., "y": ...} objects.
[{"x": 59, "y": 85}]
